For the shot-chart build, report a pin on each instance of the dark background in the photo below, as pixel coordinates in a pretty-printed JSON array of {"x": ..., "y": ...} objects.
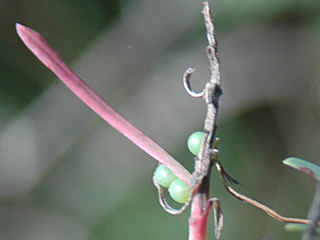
[{"x": 66, "y": 174}]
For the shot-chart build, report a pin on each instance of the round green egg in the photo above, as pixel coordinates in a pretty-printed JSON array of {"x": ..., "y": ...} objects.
[
  {"x": 164, "y": 176},
  {"x": 179, "y": 191},
  {"x": 194, "y": 142}
]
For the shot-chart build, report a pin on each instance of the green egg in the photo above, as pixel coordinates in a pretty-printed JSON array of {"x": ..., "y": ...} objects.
[
  {"x": 179, "y": 191},
  {"x": 194, "y": 142},
  {"x": 164, "y": 176}
]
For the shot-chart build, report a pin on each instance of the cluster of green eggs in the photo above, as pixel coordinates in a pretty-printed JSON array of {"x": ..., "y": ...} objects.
[{"x": 178, "y": 189}]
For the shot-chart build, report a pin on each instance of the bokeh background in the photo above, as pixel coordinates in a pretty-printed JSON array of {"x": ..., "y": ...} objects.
[{"x": 66, "y": 174}]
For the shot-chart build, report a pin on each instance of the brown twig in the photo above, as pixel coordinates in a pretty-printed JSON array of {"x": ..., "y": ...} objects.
[{"x": 255, "y": 203}]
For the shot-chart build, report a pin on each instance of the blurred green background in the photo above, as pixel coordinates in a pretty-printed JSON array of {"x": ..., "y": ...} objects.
[{"x": 66, "y": 174}]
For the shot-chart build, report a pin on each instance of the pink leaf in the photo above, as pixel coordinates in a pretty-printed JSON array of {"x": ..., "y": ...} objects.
[{"x": 51, "y": 59}]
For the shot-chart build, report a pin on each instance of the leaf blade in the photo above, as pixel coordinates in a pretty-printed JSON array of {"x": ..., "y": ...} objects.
[
  {"x": 51, "y": 59},
  {"x": 309, "y": 168}
]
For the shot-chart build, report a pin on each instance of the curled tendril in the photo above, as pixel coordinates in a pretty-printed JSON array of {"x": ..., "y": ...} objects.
[
  {"x": 186, "y": 83},
  {"x": 165, "y": 205}
]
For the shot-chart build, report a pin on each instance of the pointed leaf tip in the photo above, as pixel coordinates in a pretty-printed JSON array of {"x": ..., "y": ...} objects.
[
  {"x": 309, "y": 168},
  {"x": 19, "y": 28}
]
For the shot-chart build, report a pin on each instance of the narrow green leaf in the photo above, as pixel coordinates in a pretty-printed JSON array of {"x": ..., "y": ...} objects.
[{"x": 309, "y": 168}]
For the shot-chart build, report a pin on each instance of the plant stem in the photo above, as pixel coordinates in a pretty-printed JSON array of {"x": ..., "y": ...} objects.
[
  {"x": 314, "y": 215},
  {"x": 204, "y": 161}
]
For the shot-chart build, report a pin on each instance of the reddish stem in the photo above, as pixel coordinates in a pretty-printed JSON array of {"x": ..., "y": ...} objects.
[{"x": 199, "y": 217}]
